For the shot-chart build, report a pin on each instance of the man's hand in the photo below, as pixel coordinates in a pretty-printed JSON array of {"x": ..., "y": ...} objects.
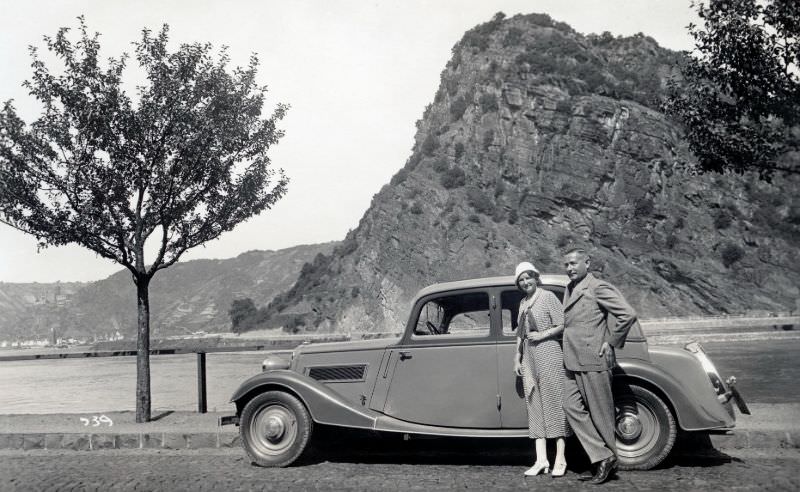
[
  {"x": 607, "y": 351},
  {"x": 517, "y": 367}
]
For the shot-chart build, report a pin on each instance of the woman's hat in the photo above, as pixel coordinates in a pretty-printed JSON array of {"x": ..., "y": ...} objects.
[{"x": 523, "y": 267}]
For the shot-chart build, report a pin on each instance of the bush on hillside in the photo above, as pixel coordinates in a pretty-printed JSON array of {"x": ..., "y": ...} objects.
[
  {"x": 453, "y": 178},
  {"x": 730, "y": 254},
  {"x": 488, "y": 102},
  {"x": 458, "y": 107}
]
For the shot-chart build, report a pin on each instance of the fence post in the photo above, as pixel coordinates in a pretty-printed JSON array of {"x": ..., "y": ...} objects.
[{"x": 201, "y": 382}]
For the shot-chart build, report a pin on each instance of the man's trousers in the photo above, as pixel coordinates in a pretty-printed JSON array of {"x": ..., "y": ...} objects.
[{"x": 589, "y": 406}]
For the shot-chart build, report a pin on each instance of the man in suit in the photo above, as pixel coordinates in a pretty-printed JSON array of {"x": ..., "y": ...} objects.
[{"x": 589, "y": 345}]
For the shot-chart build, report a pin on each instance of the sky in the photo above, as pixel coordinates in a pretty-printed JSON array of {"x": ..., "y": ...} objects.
[{"x": 357, "y": 75}]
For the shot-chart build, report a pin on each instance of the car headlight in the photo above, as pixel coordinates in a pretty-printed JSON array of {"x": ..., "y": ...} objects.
[{"x": 274, "y": 362}]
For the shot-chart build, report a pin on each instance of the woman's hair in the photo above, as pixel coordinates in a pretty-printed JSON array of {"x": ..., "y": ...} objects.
[{"x": 532, "y": 274}]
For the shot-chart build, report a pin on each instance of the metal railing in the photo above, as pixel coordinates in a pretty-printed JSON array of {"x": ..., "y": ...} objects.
[{"x": 202, "y": 400}]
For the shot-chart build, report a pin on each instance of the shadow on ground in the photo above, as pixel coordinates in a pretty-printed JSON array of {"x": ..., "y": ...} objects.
[{"x": 338, "y": 446}]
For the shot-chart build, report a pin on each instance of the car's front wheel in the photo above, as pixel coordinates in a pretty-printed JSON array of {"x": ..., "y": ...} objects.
[
  {"x": 645, "y": 428},
  {"x": 275, "y": 428}
]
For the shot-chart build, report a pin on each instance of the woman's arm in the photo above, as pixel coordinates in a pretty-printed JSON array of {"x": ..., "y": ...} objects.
[
  {"x": 556, "y": 312},
  {"x": 518, "y": 358}
]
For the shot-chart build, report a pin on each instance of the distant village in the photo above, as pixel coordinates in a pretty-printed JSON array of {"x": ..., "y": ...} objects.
[{"x": 53, "y": 295}]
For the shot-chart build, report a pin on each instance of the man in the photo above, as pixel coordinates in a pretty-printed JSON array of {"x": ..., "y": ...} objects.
[{"x": 589, "y": 345}]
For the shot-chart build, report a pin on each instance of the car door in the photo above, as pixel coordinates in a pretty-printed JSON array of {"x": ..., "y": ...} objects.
[
  {"x": 444, "y": 371},
  {"x": 513, "y": 411}
]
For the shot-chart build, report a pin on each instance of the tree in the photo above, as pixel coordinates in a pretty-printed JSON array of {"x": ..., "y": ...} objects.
[
  {"x": 740, "y": 94},
  {"x": 183, "y": 162},
  {"x": 241, "y": 311}
]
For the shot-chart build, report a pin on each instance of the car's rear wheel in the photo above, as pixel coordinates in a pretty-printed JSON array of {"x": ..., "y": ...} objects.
[
  {"x": 645, "y": 428},
  {"x": 275, "y": 428}
]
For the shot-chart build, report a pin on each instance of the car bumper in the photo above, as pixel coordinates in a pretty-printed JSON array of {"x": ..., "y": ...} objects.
[{"x": 732, "y": 397}]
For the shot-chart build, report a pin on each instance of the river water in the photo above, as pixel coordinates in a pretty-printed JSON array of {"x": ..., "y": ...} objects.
[
  {"x": 96, "y": 385},
  {"x": 767, "y": 370}
]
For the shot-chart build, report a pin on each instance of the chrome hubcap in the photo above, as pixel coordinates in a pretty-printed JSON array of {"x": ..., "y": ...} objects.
[
  {"x": 274, "y": 430},
  {"x": 629, "y": 427}
]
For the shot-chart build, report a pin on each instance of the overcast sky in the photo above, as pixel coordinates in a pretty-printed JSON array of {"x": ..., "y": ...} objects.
[{"x": 357, "y": 75}]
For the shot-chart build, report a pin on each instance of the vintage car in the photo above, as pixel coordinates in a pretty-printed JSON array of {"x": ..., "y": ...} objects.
[{"x": 451, "y": 374}]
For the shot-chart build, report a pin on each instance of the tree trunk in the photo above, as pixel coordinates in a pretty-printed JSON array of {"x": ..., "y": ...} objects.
[{"x": 143, "y": 349}]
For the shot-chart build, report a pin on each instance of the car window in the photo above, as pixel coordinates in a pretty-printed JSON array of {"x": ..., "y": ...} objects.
[
  {"x": 509, "y": 302},
  {"x": 454, "y": 315}
]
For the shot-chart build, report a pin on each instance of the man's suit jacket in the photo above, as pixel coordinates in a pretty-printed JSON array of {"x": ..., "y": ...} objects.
[{"x": 586, "y": 310}]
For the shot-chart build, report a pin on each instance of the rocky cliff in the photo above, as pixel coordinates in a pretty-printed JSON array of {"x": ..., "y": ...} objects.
[
  {"x": 187, "y": 297},
  {"x": 538, "y": 138}
]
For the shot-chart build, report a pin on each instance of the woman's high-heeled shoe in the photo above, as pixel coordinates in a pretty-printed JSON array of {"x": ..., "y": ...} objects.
[
  {"x": 538, "y": 468},
  {"x": 559, "y": 469}
]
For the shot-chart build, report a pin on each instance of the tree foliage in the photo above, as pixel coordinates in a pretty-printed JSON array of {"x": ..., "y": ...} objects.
[
  {"x": 182, "y": 162},
  {"x": 241, "y": 310},
  {"x": 740, "y": 94}
]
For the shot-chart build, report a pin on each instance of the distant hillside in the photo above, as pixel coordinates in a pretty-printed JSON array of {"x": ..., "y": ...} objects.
[
  {"x": 540, "y": 137},
  {"x": 187, "y": 297}
]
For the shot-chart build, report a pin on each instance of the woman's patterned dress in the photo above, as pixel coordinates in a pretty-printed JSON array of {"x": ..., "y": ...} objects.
[{"x": 543, "y": 367}]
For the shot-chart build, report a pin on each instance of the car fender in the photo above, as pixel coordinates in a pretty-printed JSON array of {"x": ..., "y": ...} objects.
[
  {"x": 324, "y": 405},
  {"x": 692, "y": 399}
]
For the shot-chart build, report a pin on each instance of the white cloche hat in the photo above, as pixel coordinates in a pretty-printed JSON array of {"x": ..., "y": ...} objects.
[{"x": 523, "y": 267}]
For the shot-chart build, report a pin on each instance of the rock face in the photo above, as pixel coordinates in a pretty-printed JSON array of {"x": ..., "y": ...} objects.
[
  {"x": 540, "y": 138},
  {"x": 187, "y": 297}
]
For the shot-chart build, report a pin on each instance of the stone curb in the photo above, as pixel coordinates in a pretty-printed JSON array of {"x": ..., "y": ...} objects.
[
  {"x": 98, "y": 442},
  {"x": 743, "y": 439}
]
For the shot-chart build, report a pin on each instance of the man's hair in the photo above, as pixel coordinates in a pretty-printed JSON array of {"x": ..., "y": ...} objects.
[{"x": 577, "y": 250}]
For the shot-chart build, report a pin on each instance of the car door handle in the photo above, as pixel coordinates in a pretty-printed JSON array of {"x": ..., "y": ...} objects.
[{"x": 405, "y": 355}]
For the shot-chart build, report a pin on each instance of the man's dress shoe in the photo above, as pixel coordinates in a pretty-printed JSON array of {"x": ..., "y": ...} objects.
[{"x": 604, "y": 470}]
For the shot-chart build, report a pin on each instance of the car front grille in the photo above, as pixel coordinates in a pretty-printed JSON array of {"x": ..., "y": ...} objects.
[{"x": 338, "y": 373}]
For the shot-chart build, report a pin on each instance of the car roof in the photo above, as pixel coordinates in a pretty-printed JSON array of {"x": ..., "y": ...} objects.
[{"x": 508, "y": 280}]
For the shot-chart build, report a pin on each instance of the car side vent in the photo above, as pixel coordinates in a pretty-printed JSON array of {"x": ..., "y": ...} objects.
[{"x": 338, "y": 373}]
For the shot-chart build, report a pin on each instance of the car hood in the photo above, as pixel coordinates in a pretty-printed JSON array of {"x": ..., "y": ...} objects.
[{"x": 374, "y": 344}]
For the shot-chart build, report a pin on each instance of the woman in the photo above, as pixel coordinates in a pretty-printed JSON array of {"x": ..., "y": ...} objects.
[{"x": 540, "y": 362}]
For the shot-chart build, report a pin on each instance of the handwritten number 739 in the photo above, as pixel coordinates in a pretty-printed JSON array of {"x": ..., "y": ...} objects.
[{"x": 96, "y": 421}]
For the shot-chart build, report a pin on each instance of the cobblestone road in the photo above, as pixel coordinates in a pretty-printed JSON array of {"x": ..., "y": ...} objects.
[{"x": 230, "y": 470}]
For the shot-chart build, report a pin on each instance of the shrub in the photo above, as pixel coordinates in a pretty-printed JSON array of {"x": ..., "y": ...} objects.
[
  {"x": 459, "y": 150},
  {"x": 488, "y": 139},
  {"x": 513, "y": 37},
  {"x": 458, "y": 107},
  {"x": 480, "y": 201},
  {"x": 513, "y": 216},
  {"x": 488, "y": 102},
  {"x": 453, "y": 178},
  {"x": 294, "y": 324},
  {"x": 479, "y": 36},
  {"x": 672, "y": 240},
  {"x": 430, "y": 144},
  {"x": 440, "y": 165},
  {"x": 722, "y": 219},
  {"x": 564, "y": 239},
  {"x": 543, "y": 20},
  {"x": 731, "y": 253},
  {"x": 499, "y": 188},
  {"x": 451, "y": 84},
  {"x": 643, "y": 208},
  {"x": 240, "y": 312}
]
